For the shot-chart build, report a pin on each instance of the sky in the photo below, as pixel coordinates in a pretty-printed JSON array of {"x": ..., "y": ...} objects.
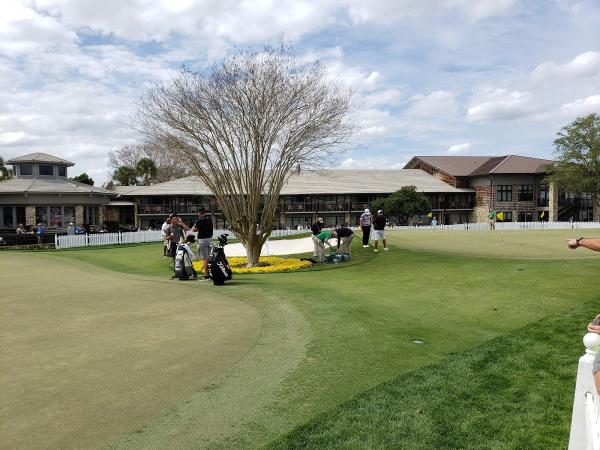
[{"x": 432, "y": 77}]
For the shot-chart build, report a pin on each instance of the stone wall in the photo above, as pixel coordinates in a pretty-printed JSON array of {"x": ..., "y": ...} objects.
[
  {"x": 30, "y": 215},
  {"x": 79, "y": 214},
  {"x": 482, "y": 204},
  {"x": 552, "y": 202}
]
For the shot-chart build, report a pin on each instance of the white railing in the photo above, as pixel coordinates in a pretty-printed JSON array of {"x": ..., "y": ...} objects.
[
  {"x": 507, "y": 226},
  {"x": 585, "y": 423},
  {"x": 90, "y": 240},
  {"x": 135, "y": 237}
]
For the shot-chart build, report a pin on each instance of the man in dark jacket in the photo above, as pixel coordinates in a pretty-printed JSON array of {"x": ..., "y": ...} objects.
[
  {"x": 317, "y": 227},
  {"x": 204, "y": 227}
]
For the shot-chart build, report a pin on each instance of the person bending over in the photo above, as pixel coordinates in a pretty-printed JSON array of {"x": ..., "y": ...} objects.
[
  {"x": 345, "y": 236},
  {"x": 320, "y": 240}
]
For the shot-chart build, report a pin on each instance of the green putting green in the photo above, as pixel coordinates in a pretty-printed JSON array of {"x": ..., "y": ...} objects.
[{"x": 325, "y": 335}]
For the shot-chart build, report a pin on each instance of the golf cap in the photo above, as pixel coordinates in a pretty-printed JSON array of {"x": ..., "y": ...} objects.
[
  {"x": 367, "y": 210},
  {"x": 380, "y": 211}
]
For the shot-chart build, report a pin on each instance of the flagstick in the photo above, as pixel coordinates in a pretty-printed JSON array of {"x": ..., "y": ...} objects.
[{"x": 502, "y": 237}]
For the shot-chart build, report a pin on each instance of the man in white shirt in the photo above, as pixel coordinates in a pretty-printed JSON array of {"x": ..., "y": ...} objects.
[
  {"x": 163, "y": 233},
  {"x": 366, "y": 220}
]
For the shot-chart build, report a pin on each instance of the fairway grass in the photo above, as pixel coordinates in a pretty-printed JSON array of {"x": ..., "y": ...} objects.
[{"x": 329, "y": 335}]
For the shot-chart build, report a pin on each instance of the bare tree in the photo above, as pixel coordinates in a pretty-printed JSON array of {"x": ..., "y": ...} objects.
[
  {"x": 245, "y": 125},
  {"x": 168, "y": 166}
]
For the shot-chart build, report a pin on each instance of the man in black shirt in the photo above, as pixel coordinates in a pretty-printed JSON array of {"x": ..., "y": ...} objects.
[
  {"x": 378, "y": 230},
  {"x": 204, "y": 227},
  {"x": 345, "y": 236}
]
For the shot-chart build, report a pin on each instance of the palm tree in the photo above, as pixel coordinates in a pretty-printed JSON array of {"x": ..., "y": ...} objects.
[
  {"x": 146, "y": 168},
  {"x": 5, "y": 172},
  {"x": 125, "y": 176}
]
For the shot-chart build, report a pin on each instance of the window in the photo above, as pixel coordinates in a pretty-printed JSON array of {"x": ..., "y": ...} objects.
[
  {"x": 69, "y": 215},
  {"x": 525, "y": 192},
  {"x": 504, "y": 193},
  {"x": 507, "y": 216},
  {"x": 542, "y": 195},
  {"x": 26, "y": 169},
  {"x": 56, "y": 216},
  {"x": 525, "y": 216},
  {"x": 46, "y": 170},
  {"x": 41, "y": 215},
  {"x": 62, "y": 171},
  {"x": 8, "y": 217}
]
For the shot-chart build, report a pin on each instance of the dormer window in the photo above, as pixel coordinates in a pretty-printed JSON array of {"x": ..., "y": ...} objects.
[
  {"x": 26, "y": 169},
  {"x": 46, "y": 170},
  {"x": 62, "y": 171}
]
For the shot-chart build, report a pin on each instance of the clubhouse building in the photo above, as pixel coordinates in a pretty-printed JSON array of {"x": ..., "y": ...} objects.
[{"x": 460, "y": 189}]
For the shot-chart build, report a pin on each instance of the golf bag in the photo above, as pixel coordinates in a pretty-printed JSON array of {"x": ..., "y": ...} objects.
[
  {"x": 218, "y": 267},
  {"x": 183, "y": 264}
]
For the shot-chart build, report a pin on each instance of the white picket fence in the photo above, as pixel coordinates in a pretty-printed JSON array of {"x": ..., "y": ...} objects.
[
  {"x": 506, "y": 226},
  {"x": 135, "y": 237},
  {"x": 585, "y": 422}
]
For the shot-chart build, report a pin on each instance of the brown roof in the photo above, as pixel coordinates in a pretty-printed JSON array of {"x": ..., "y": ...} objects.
[
  {"x": 518, "y": 164},
  {"x": 39, "y": 158},
  {"x": 462, "y": 166}
]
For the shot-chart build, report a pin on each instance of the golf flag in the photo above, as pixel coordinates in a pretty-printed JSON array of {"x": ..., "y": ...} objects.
[
  {"x": 500, "y": 216},
  {"x": 543, "y": 214},
  {"x": 430, "y": 214}
]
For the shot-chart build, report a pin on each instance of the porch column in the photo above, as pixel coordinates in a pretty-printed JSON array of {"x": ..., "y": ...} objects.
[
  {"x": 79, "y": 215},
  {"x": 30, "y": 216},
  {"x": 552, "y": 202}
]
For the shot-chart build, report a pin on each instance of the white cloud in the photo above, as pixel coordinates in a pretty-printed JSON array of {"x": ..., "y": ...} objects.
[
  {"x": 387, "y": 11},
  {"x": 582, "y": 106},
  {"x": 500, "y": 104},
  {"x": 437, "y": 103},
  {"x": 459, "y": 148},
  {"x": 374, "y": 162},
  {"x": 23, "y": 30},
  {"x": 583, "y": 65}
]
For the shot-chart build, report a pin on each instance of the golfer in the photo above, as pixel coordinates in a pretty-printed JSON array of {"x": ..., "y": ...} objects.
[
  {"x": 366, "y": 220},
  {"x": 163, "y": 233},
  {"x": 204, "y": 227},
  {"x": 378, "y": 230},
  {"x": 594, "y": 327},
  {"x": 174, "y": 234}
]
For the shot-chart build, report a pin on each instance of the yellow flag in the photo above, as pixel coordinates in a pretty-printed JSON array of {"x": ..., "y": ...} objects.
[
  {"x": 430, "y": 214},
  {"x": 500, "y": 216},
  {"x": 543, "y": 214}
]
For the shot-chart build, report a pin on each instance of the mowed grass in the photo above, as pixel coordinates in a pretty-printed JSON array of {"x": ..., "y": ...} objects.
[{"x": 452, "y": 290}]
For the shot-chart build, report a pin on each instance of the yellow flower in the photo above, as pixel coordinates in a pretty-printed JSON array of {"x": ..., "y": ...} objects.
[{"x": 268, "y": 264}]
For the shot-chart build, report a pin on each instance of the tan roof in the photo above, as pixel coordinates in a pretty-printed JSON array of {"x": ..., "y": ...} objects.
[
  {"x": 39, "y": 158},
  {"x": 48, "y": 186},
  {"x": 461, "y": 166},
  {"x": 318, "y": 182}
]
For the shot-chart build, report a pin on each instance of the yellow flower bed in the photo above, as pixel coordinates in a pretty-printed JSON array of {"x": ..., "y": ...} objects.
[{"x": 268, "y": 264}]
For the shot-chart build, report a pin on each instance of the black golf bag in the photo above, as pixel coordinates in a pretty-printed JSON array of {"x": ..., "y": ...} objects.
[
  {"x": 218, "y": 267},
  {"x": 183, "y": 264}
]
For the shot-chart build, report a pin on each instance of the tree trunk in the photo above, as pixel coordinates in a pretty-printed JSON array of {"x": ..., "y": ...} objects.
[{"x": 253, "y": 247}]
